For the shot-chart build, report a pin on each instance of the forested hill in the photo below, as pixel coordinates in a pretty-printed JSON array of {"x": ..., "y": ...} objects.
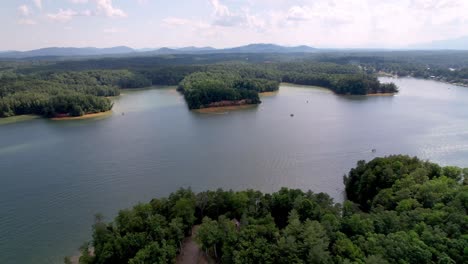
[{"x": 399, "y": 210}]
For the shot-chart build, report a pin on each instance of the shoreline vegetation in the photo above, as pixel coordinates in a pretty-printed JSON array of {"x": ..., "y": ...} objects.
[
  {"x": 83, "y": 117},
  {"x": 22, "y": 118},
  {"x": 78, "y": 87},
  {"x": 241, "y": 84},
  {"x": 81, "y": 86},
  {"x": 399, "y": 209},
  {"x": 18, "y": 118},
  {"x": 224, "y": 109},
  {"x": 266, "y": 94},
  {"x": 382, "y": 94},
  {"x": 54, "y": 89},
  {"x": 437, "y": 79}
]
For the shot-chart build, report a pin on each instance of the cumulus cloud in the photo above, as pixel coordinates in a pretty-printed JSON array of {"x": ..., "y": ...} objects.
[
  {"x": 103, "y": 7},
  {"x": 332, "y": 23},
  {"x": 220, "y": 9},
  {"x": 223, "y": 16},
  {"x": 63, "y": 15},
  {"x": 106, "y": 7},
  {"x": 326, "y": 23}
]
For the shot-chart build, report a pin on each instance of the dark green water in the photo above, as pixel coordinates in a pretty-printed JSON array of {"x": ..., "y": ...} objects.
[{"x": 56, "y": 175}]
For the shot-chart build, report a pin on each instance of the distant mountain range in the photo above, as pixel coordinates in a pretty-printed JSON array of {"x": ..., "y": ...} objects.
[
  {"x": 65, "y": 52},
  {"x": 122, "y": 50},
  {"x": 446, "y": 44}
]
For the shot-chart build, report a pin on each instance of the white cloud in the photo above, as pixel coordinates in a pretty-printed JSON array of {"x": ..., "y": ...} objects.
[
  {"x": 109, "y": 10},
  {"x": 224, "y": 17},
  {"x": 24, "y": 10},
  {"x": 63, "y": 15},
  {"x": 331, "y": 23},
  {"x": 38, "y": 3},
  {"x": 322, "y": 23},
  {"x": 220, "y": 9},
  {"x": 28, "y": 22},
  {"x": 104, "y": 7}
]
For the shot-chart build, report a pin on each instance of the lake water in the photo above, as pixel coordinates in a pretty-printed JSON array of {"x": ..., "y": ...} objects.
[{"x": 55, "y": 175}]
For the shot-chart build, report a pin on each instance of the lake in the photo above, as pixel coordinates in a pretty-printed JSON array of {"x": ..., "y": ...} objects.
[{"x": 55, "y": 175}]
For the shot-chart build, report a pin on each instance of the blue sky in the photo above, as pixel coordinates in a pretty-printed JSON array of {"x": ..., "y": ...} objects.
[{"x": 31, "y": 24}]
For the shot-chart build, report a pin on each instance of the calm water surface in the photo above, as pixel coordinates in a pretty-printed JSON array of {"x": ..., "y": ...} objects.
[{"x": 55, "y": 175}]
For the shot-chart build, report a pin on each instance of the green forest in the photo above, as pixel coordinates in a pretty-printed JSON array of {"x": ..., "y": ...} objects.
[
  {"x": 399, "y": 209},
  {"x": 53, "y": 94},
  {"x": 63, "y": 88},
  {"x": 448, "y": 66},
  {"x": 245, "y": 82}
]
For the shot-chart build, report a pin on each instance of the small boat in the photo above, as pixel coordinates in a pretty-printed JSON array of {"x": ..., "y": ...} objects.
[
  {"x": 292, "y": 115},
  {"x": 374, "y": 150}
]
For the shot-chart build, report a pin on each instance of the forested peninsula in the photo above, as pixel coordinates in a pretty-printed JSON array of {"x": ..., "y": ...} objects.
[
  {"x": 76, "y": 88},
  {"x": 241, "y": 84},
  {"x": 59, "y": 94},
  {"x": 399, "y": 209}
]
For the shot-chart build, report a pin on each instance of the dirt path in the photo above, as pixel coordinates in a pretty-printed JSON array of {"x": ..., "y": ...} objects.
[{"x": 191, "y": 253}]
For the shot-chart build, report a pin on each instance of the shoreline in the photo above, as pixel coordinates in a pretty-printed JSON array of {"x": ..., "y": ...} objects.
[
  {"x": 83, "y": 117},
  {"x": 307, "y": 86},
  {"x": 381, "y": 94},
  {"x": 269, "y": 93},
  {"x": 386, "y": 74},
  {"x": 18, "y": 118},
  {"x": 224, "y": 109}
]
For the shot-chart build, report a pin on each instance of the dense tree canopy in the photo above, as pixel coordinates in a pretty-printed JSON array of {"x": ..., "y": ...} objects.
[
  {"x": 399, "y": 210},
  {"x": 64, "y": 93},
  {"x": 201, "y": 89},
  {"x": 39, "y": 89},
  {"x": 244, "y": 82}
]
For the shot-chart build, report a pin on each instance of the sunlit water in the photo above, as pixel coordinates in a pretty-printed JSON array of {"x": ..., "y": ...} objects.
[{"x": 55, "y": 175}]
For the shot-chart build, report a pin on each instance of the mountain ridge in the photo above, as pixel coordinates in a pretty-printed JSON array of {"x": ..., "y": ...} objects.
[{"x": 124, "y": 50}]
